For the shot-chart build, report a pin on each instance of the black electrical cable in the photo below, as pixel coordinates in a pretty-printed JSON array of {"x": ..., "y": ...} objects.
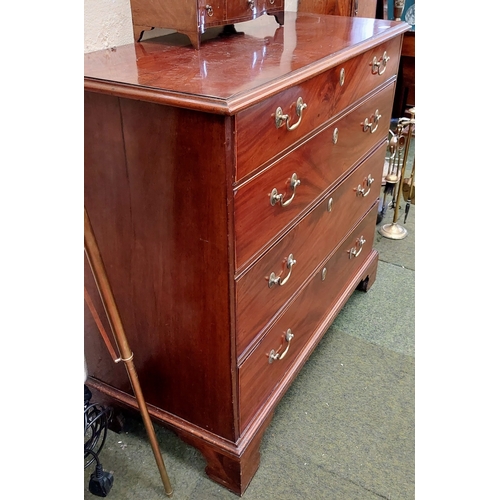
[
  {"x": 95, "y": 430},
  {"x": 96, "y": 419},
  {"x": 101, "y": 481},
  {"x": 96, "y": 457}
]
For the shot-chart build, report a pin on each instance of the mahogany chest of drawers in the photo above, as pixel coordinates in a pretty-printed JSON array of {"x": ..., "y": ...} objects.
[
  {"x": 194, "y": 17},
  {"x": 233, "y": 191}
]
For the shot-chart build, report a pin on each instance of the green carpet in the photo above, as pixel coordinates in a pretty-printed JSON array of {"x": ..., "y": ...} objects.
[{"x": 344, "y": 430}]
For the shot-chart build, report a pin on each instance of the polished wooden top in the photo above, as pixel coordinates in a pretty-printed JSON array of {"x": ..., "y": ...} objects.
[{"x": 230, "y": 73}]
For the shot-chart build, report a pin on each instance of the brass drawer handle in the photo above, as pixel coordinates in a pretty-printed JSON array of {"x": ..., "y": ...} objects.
[
  {"x": 276, "y": 280},
  {"x": 377, "y": 65},
  {"x": 361, "y": 191},
  {"x": 370, "y": 125},
  {"x": 251, "y": 3},
  {"x": 281, "y": 118},
  {"x": 275, "y": 355},
  {"x": 354, "y": 252},
  {"x": 210, "y": 10},
  {"x": 275, "y": 196}
]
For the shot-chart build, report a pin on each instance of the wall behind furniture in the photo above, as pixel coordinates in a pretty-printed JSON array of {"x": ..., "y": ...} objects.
[{"x": 108, "y": 23}]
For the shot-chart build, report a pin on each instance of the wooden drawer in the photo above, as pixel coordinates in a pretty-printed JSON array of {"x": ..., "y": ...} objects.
[
  {"x": 273, "y": 4},
  {"x": 257, "y": 376},
  {"x": 309, "y": 242},
  {"x": 258, "y": 138},
  {"x": 214, "y": 16},
  {"x": 193, "y": 17},
  {"x": 243, "y": 9},
  {"x": 317, "y": 164}
]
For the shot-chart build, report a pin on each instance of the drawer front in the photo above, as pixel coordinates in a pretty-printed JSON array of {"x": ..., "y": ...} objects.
[
  {"x": 261, "y": 135},
  {"x": 302, "y": 176},
  {"x": 309, "y": 243},
  {"x": 244, "y": 9},
  {"x": 212, "y": 12},
  {"x": 257, "y": 376},
  {"x": 273, "y": 4},
  {"x": 249, "y": 9}
]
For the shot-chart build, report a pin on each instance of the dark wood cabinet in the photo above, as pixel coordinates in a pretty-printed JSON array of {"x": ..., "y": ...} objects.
[
  {"x": 233, "y": 191},
  {"x": 405, "y": 86},
  {"x": 356, "y": 8},
  {"x": 194, "y": 17}
]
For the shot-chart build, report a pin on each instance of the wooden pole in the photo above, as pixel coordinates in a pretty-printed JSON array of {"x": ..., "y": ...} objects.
[{"x": 126, "y": 355}]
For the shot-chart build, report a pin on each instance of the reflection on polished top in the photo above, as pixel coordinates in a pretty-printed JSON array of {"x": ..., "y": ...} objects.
[{"x": 230, "y": 73}]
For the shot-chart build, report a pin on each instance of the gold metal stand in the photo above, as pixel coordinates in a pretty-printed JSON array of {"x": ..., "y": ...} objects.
[
  {"x": 126, "y": 355},
  {"x": 395, "y": 231},
  {"x": 399, "y": 6}
]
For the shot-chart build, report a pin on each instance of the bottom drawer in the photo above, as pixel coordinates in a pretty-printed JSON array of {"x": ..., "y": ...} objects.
[{"x": 262, "y": 371}]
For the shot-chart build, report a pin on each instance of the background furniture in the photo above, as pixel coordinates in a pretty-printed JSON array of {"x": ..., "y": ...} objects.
[
  {"x": 194, "y": 17},
  {"x": 233, "y": 192},
  {"x": 382, "y": 9},
  {"x": 359, "y": 8},
  {"x": 405, "y": 88},
  {"x": 386, "y": 10}
]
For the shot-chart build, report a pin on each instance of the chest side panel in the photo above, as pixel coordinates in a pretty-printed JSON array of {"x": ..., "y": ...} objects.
[{"x": 156, "y": 195}]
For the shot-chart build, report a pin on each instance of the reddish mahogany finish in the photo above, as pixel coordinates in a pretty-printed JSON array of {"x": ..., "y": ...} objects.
[
  {"x": 170, "y": 138},
  {"x": 360, "y": 8},
  {"x": 228, "y": 75},
  {"x": 257, "y": 376},
  {"x": 405, "y": 87},
  {"x": 310, "y": 242},
  {"x": 162, "y": 233},
  {"x": 194, "y": 17},
  {"x": 318, "y": 163},
  {"x": 325, "y": 98}
]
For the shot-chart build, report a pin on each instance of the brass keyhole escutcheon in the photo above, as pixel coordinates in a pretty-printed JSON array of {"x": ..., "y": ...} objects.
[
  {"x": 342, "y": 77},
  {"x": 329, "y": 205},
  {"x": 335, "y": 136}
]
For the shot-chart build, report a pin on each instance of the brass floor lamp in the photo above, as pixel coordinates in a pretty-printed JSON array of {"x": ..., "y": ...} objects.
[{"x": 125, "y": 354}]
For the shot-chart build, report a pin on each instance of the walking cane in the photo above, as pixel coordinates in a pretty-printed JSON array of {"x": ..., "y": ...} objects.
[{"x": 126, "y": 355}]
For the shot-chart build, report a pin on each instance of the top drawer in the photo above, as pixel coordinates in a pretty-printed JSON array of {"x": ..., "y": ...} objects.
[
  {"x": 214, "y": 12},
  {"x": 260, "y": 132},
  {"x": 246, "y": 9}
]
